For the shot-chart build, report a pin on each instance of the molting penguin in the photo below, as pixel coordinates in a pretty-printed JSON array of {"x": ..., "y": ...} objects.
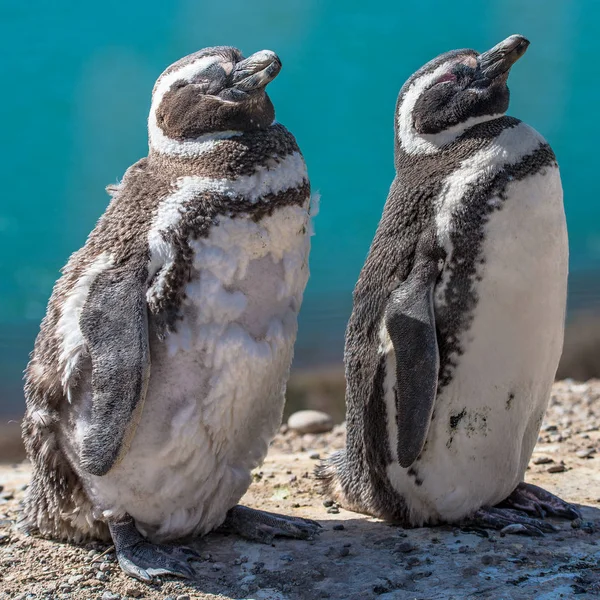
[
  {"x": 157, "y": 380},
  {"x": 457, "y": 323}
]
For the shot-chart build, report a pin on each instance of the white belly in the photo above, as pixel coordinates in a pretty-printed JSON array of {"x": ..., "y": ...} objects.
[
  {"x": 487, "y": 419},
  {"x": 216, "y": 391}
]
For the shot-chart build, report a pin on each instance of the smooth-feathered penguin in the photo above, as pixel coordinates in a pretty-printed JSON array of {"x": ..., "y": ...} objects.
[
  {"x": 457, "y": 323},
  {"x": 157, "y": 380}
]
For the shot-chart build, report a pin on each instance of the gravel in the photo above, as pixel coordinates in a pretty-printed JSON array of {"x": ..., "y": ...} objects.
[{"x": 355, "y": 554}]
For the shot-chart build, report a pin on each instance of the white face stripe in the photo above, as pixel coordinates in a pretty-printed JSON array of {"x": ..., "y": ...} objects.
[
  {"x": 419, "y": 143},
  {"x": 157, "y": 139},
  {"x": 508, "y": 148},
  {"x": 289, "y": 173}
]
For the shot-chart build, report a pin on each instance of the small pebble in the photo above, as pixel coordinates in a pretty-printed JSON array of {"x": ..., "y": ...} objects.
[
  {"x": 334, "y": 510},
  {"x": 587, "y": 453},
  {"x": 542, "y": 460},
  {"x": 101, "y": 576},
  {"x": 310, "y": 421},
  {"x": 110, "y": 596},
  {"x": 74, "y": 579},
  {"x": 133, "y": 592},
  {"x": 338, "y": 527},
  {"x": 405, "y": 547},
  {"x": 556, "y": 469},
  {"x": 286, "y": 557},
  {"x": 314, "y": 456},
  {"x": 576, "y": 523},
  {"x": 328, "y": 503},
  {"x": 183, "y": 597}
]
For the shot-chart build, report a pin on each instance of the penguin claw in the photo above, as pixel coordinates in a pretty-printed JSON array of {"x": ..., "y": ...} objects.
[
  {"x": 535, "y": 500},
  {"x": 520, "y": 528},
  {"x": 144, "y": 561},
  {"x": 261, "y": 526},
  {"x": 508, "y": 520}
]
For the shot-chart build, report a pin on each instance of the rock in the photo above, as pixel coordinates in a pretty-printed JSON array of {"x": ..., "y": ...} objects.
[
  {"x": 110, "y": 596},
  {"x": 586, "y": 453},
  {"x": 183, "y": 597},
  {"x": 310, "y": 421},
  {"x": 133, "y": 592},
  {"x": 542, "y": 460},
  {"x": 314, "y": 456},
  {"x": 338, "y": 527},
  {"x": 75, "y": 579},
  {"x": 405, "y": 547},
  {"x": 556, "y": 469}
]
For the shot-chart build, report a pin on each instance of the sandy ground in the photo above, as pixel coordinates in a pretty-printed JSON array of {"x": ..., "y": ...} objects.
[{"x": 356, "y": 557}]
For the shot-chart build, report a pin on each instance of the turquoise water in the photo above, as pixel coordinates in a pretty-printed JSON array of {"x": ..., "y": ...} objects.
[{"x": 76, "y": 87}]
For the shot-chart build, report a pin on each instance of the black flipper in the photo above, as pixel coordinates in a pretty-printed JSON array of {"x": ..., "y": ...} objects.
[
  {"x": 410, "y": 322},
  {"x": 114, "y": 324}
]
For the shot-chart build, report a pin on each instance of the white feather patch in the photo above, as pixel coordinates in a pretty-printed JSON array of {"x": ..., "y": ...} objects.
[
  {"x": 289, "y": 172},
  {"x": 68, "y": 330},
  {"x": 508, "y": 148}
]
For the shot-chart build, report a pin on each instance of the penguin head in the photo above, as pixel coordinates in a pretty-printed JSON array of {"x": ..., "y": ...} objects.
[
  {"x": 211, "y": 91},
  {"x": 453, "y": 92}
]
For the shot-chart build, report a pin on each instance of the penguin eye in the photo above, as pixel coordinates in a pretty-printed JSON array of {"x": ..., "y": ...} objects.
[{"x": 450, "y": 76}]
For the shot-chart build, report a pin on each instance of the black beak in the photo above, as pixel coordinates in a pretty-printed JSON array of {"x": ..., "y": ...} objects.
[
  {"x": 501, "y": 58},
  {"x": 256, "y": 71}
]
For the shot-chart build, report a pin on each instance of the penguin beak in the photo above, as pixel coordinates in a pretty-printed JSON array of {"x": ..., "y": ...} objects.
[
  {"x": 501, "y": 58},
  {"x": 256, "y": 71}
]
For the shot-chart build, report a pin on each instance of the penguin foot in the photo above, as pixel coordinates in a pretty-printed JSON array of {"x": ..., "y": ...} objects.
[
  {"x": 507, "y": 520},
  {"x": 537, "y": 501},
  {"x": 144, "y": 560},
  {"x": 262, "y": 526}
]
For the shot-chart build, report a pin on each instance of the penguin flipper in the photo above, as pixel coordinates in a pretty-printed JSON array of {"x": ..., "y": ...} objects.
[
  {"x": 410, "y": 323},
  {"x": 114, "y": 324}
]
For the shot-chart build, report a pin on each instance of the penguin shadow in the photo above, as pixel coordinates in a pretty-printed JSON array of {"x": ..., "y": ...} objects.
[{"x": 357, "y": 557}]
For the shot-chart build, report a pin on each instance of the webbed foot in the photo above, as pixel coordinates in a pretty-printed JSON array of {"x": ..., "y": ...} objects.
[
  {"x": 143, "y": 560},
  {"x": 537, "y": 501},
  {"x": 507, "y": 520},
  {"x": 262, "y": 526}
]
